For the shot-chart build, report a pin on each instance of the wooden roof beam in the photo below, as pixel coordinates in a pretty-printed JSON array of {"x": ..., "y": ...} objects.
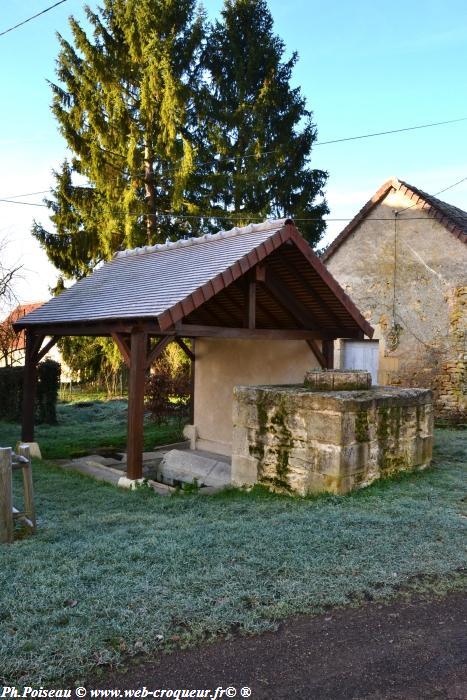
[
  {"x": 191, "y": 330},
  {"x": 310, "y": 290},
  {"x": 299, "y": 312}
]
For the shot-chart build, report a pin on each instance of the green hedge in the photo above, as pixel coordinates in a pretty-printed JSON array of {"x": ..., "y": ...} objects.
[{"x": 11, "y": 392}]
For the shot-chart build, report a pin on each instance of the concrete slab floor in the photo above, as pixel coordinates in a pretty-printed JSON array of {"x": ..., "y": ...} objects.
[{"x": 165, "y": 468}]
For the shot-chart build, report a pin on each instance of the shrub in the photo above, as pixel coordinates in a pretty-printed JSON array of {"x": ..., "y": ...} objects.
[
  {"x": 48, "y": 384},
  {"x": 168, "y": 391},
  {"x": 11, "y": 392}
]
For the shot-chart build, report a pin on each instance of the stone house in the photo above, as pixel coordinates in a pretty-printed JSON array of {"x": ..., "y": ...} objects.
[{"x": 403, "y": 262}]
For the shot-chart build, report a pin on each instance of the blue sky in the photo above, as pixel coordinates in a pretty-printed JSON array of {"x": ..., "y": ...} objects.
[{"x": 363, "y": 67}]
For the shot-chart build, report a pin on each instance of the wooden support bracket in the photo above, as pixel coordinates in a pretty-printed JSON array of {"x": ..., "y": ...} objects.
[
  {"x": 123, "y": 346},
  {"x": 156, "y": 351},
  {"x": 185, "y": 349},
  {"x": 314, "y": 347},
  {"x": 43, "y": 351}
]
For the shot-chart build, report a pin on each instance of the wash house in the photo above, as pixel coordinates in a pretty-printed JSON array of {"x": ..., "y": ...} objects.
[{"x": 257, "y": 303}]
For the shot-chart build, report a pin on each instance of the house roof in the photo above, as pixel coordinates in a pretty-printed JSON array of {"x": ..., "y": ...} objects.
[
  {"x": 202, "y": 280},
  {"x": 453, "y": 218},
  {"x": 15, "y": 315},
  {"x": 21, "y": 310}
]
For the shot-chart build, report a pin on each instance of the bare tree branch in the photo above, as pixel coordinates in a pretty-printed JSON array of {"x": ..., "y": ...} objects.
[{"x": 9, "y": 273}]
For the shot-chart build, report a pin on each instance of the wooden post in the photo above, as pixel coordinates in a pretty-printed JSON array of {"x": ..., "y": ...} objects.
[
  {"x": 29, "y": 386},
  {"x": 252, "y": 304},
  {"x": 6, "y": 496},
  {"x": 192, "y": 382},
  {"x": 328, "y": 352},
  {"x": 249, "y": 313},
  {"x": 29, "y": 507},
  {"x": 137, "y": 380}
]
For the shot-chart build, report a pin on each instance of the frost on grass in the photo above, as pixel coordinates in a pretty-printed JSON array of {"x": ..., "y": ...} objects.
[{"x": 145, "y": 572}]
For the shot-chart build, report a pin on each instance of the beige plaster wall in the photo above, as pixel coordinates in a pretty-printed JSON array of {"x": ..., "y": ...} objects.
[
  {"x": 222, "y": 364},
  {"x": 431, "y": 267}
]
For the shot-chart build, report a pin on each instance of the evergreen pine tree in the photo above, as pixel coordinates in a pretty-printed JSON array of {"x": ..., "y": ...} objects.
[
  {"x": 258, "y": 125},
  {"x": 124, "y": 104}
]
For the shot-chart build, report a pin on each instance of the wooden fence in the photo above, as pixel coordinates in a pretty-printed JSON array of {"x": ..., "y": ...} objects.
[{"x": 10, "y": 462}]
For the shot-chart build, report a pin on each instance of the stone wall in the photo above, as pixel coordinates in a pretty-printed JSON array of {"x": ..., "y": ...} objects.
[
  {"x": 451, "y": 381},
  {"x": 407, "y": 278},
  {"x": 296, "y": 440}
]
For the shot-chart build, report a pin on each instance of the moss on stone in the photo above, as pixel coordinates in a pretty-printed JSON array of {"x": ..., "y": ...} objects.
[
  {"x": 391, "y": 464},
  {"x": 285, "y": 441},
  {"x": 362, "y": 433},
  {"x": 277, "y": 484},
  {"x": 382, "y": 430},
  {"x": 256, "y": 448}
]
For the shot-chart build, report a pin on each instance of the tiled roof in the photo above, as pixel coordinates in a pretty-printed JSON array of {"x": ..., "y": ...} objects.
[
  {"x": 146, "y": 282},
  {"x": 453, "y": 218},
  {"x": 21, "y": 310},
  {"x": 18, "y": 313},
  {"x": 167, "y": 283}
]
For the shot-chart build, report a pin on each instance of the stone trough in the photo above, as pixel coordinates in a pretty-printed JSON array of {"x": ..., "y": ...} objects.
[{"x": 334, "y": 433}]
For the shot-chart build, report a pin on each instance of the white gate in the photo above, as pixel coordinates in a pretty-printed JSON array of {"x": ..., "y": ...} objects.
[{"x": 361, "y": 354}]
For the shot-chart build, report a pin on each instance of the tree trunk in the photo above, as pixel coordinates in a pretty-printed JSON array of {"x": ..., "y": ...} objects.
[{"x": 149, "y": 188}]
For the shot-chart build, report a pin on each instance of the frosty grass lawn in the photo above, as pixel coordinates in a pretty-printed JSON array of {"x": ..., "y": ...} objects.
[
  {"x": 86, "y": 426},
  {"x": 112, "y": 573}
]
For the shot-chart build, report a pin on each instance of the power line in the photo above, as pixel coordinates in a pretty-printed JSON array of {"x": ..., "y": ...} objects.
[
  {"x": 234, "y": 217},
  {"x": 265, "y": 153},
  {"x": 318, "y": 143},
  {"x": 27, "y": 204},
  {"x": 450, "y": 187},
  {"x": 26, "y": 194},
  {"x": 25, "y": 21},
  {"x": 349, "y": 138},
  {"x": 392, "y": 131}
]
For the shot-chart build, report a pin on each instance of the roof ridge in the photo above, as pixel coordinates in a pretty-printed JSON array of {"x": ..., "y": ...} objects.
[
  {"x": 429, "y": 197},
  {"x": 444, "y": 212},
  {"x": 185, "y": 242}
]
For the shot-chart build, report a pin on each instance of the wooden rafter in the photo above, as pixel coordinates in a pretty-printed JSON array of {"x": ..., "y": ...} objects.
[
  {"x": 231, "y": 299},
  {"x": 311, "y": 290},
  {"x": 301, "y": 314}
]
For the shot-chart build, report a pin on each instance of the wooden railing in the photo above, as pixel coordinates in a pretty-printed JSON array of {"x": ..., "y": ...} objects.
[{"x": 10, "y": 462}]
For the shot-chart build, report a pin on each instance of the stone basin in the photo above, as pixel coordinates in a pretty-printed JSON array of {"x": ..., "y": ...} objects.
[{"x": 297, "y": 439}]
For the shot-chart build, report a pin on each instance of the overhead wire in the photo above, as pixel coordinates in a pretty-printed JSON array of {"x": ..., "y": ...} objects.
[
  {"x": 233, "y": 217},
  {"x": 435, "y": 194},
  {"x": 25, "y": 194},
  {"x": 252, "y": 155},
  {"x": 29, "y": 19}
]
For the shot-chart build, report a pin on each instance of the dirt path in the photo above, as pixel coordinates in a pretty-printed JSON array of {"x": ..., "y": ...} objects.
[{"x": 409, "y": 651}]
